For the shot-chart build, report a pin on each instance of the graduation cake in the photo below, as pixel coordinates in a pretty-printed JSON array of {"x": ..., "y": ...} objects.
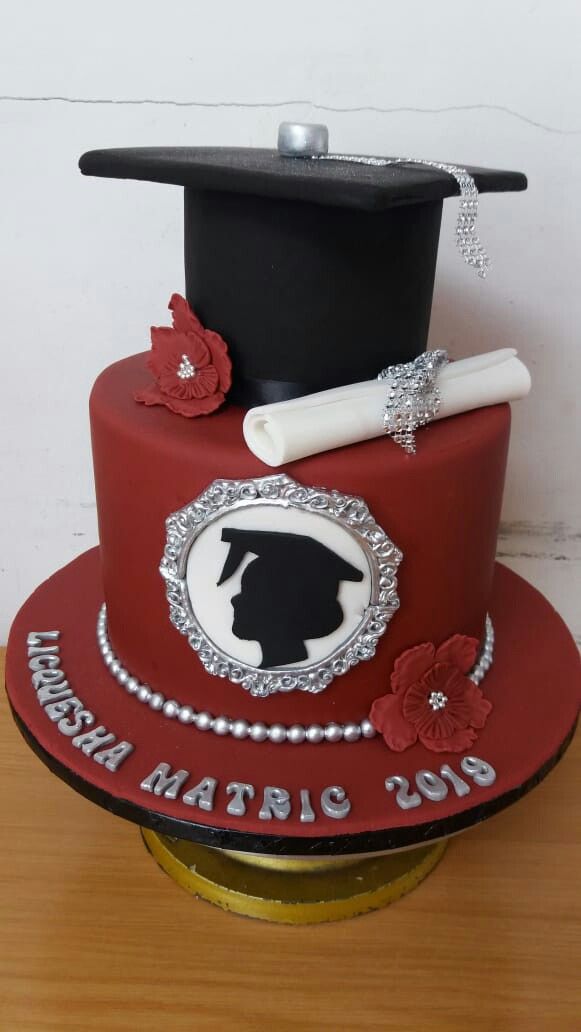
[{"x": 293, "y": 639}]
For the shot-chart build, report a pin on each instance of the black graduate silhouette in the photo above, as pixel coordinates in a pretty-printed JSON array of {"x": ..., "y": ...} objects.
[{"x": 288, "y": 593}]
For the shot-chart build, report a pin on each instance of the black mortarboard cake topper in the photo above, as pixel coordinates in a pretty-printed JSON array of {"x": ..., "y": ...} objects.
[{"x": 317, "y": 273}]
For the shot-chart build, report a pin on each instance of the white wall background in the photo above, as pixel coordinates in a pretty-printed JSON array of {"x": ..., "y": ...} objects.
[{"x": 88, "y": 265}]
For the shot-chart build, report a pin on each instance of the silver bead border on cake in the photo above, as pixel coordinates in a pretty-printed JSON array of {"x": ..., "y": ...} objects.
[
  {"x": 221, "y": 725},
  {"x": 484, "y": 663},
  {"x": 239, "y": 727}
]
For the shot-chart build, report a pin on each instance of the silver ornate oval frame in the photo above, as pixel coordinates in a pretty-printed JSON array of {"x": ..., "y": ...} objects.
[{"x": 184, "y": 526}]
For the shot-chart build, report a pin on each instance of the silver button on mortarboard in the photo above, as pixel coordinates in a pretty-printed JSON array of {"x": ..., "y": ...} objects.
[{"x": 301, "y": 140}]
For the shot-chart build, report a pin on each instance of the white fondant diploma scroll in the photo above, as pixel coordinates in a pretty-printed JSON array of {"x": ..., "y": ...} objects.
[{"x": 290, "y": 430}]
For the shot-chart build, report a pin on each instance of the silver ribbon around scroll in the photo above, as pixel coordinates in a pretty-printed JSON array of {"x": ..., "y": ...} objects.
[{"x": 413, "y": 396}]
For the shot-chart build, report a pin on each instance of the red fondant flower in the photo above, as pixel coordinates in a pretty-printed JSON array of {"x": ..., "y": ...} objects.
[
  {"x": 432, "y": 699},
  {"x": 190, "y": 364}
]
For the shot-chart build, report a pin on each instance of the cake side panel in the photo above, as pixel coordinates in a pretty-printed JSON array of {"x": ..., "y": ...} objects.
[{"x": 441, "y": 508}]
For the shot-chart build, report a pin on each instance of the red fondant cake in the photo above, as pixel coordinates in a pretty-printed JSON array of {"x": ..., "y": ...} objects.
[
  {"x": 317, "y": 658},
  {"x": 441, "y": 508}
]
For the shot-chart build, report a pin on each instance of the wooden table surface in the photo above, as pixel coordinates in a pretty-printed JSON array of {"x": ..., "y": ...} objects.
[{"x": 95, "y": 936}]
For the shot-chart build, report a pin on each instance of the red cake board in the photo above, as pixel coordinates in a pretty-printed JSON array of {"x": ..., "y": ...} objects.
[{"x": 534, "y": 684}]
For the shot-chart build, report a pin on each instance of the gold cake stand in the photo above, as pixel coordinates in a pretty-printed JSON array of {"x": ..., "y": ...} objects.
[{"x": 290, "y": 890}]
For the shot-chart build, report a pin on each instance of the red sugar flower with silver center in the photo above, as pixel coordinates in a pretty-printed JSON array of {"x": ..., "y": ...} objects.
[
  {"x": 433, "y": 700},
  {"x": 190, "y": 364}
]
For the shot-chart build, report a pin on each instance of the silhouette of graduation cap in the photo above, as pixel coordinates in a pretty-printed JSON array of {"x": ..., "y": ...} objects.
[
  {"x": 287, "y": 555},
  {"x": 316, "y": 273}
]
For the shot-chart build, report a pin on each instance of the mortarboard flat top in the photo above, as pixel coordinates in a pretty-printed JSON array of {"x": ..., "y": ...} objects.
[
  {"x": 267, "y": 173},
  {"x": 316, "y": 272}
]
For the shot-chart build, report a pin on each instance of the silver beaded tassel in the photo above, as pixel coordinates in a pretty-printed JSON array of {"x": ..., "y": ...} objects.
[
  {"x": 467, "y": 240},
  {"x": 311, "y": 142},
  {"x": 413, "y": 397}
]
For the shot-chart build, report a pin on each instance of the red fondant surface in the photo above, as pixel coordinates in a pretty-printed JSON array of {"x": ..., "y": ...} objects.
[
  {"x": 441, "y": 508},
  {"x": 534, "y": 685}
]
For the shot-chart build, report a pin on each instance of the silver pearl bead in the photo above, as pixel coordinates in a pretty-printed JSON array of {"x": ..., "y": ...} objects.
[
  {"x": 144, "y": 693},
  {"x": 351, "y": 732},
  {"x": 333, "y": 732},
  {"x": 258, "y": 732},
  {"x": 277, "y": 733},
  {"x": 156, "y": 701},
  {"x": 221, "y": 726},
  {"x": 171, "y": 708},
  {"x": 123, "y": 676},
  {"x": 186, "y": 715},
  {"x": 367, "y": 729},
  {"x": 203, "y": 721},
  {"x": 296, "y": 734},
  {"x": 102, "y": 639},
  {"x": 115, "y": 667},
  {"x": 108, "y": 658},
  {"x": 315, "y": 733},
  {"x": 240, "y": 728},
  {"x": 132, "y": 685}
]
